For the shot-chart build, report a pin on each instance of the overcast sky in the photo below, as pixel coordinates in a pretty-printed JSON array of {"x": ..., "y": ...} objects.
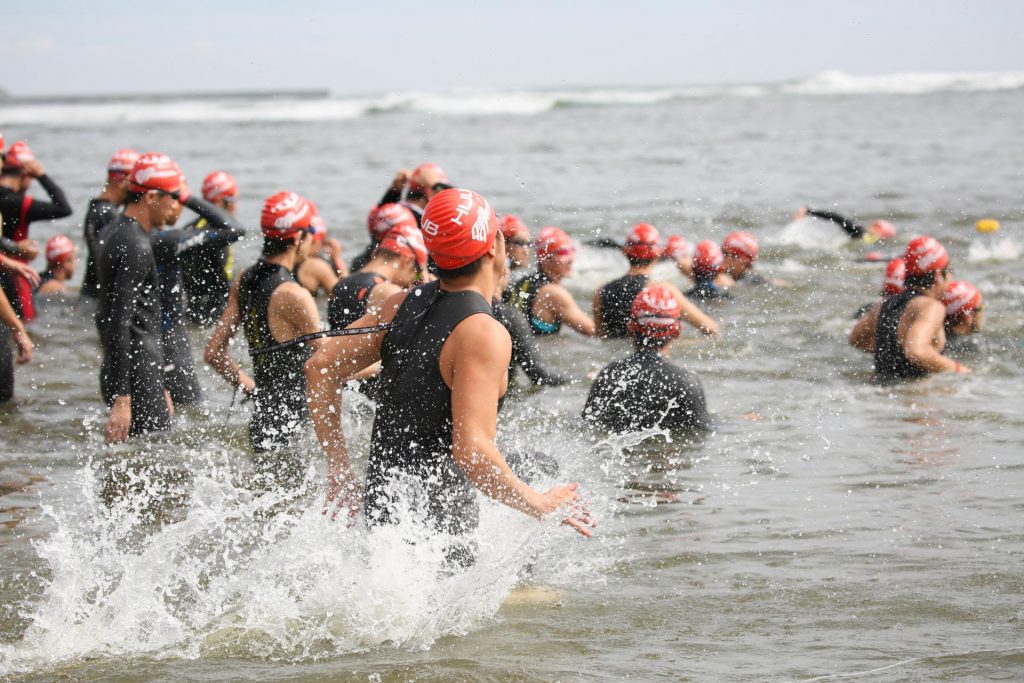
[{"x": 101, "y": 46}]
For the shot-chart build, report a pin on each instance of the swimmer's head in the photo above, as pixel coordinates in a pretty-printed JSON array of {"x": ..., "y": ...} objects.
[
  {"x": 895, "y": 272},
  {"x": 385, "y": 217},
  {"x": 654, "y": 316},
  {"x": 707, "y": 261},
  {"x": 16, "y": 164},
  {"x": 740, "y": 250},
  {"x": 285, "y": 221},
  {"x": 680, "y": 251},
  {"x": 517, "y": 240},
  {"x": 880, "y": 230},
  {"x": 157, "y": 183},
  {"x": 61, "y": 253},
  {"x": 460, "y": 231},
  {"x": 221, "y": 189},
  {"x": 964, "y": 307},
  {"x": 555, "y": 252},
  {"x": 642, "y": 244},
  {"x": 121, "y": 164},
  {"x": 405, "y": 243},
  {"x": 926, "y": 264},
  {"x": 424, "y": 179}
]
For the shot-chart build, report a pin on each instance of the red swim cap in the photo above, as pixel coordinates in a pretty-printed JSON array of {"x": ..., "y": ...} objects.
[
  {"x": 155, "y": 171},
  {"x": 742, "y": 245},
  {"x": 1, "y": 143},
  {"x": 459, "y": 226},
  {"x": 554, "y": 244},
  {"x": 58, "y": 248},
  {"x": 925, "y": 255},
  {"x": 677, "y": 248},
  {"x": 418, "y": 181},
  {"x": 406, "y": 240},
  {"x": 655, "y": 313},
  {"x": 219, "y": 184},
  {"x": 895, "y": 271},
  {"x": 18, "y": 155},
  {"x": 883, "y": 230},
  {"x": 387, "y": 216},
  {"x": 642, "y": 242},
  {"x": 122, "y": 162},
  {"x": 512, "y": 226},
  {"x": 707, "y": 260},
  {"x": 285, "y": 214},
  {"x": 960, "y": 297}
]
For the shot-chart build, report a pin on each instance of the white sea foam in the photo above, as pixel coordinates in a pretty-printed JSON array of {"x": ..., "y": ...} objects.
[
  {"x": 809, "y": 233},
  {"x": 839, "y": 83},
  {"x": 993, "y": 249}
]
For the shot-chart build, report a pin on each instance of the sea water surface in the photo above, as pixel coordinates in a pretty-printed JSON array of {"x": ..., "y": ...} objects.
[{"x": 827, "y": 526}]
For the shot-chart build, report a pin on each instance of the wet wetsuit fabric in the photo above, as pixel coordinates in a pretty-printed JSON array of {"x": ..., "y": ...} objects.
[
  {"x": 206, "y": 277},
  {"x": 128, "y": 320},
  {"x": 279, "y": 400},
  {"x": 753, "y": 279},
  {"x": 412, "y": 430},
  {"x": 98, "y": 216},
  {"x": 349, "y": 297},
  {"x": 524, "y": 347},
  {"x": 6, "y": 365},
  {"x": 524, "y": 293},
  {"x": 854, "y": 230},
  {"x": 616, "y": 301},
  {"x": 891, "y": 361},
  {"x": 170, "y": 246},
  {"x": 19, "y": 210},
  {"x": 645, "y": 390},
  {"x": 706, "y": 290}
]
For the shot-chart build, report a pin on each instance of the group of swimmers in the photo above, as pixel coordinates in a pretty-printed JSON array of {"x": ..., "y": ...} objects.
[{"x": 430, "y": 319}]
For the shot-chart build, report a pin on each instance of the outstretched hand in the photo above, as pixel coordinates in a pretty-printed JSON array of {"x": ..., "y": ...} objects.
[
  {"x": 800, "y": 213},
  {"x": 566, "y": 497}
]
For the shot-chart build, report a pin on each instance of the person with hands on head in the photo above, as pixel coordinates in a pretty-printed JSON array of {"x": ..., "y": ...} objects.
[
  {"x": 272, "y": 308},
  {"x": 22, "y": 342},
  {"x": 206, "y": 273},
  {"x": 19, "y": 210},
  {"x": 129, "y": 314},
  {"x": 905, "y": 331},
  {"x": 103, "y": 209},
  {"x": 323, "y": 267},
  {"x": 444, "y": 371}
]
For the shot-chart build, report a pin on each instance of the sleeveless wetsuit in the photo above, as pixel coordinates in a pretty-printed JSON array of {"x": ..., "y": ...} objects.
[
  {"x": 412, "y": 430},
  {"x": 616, "y": 301},
  {"x": 891, "y": 361},
  {"x": 524, "y": 293},
  {"x": 279, "y": 401},
  {"x": 349, "y": 297},
  {"x": 706, "y": 290}
]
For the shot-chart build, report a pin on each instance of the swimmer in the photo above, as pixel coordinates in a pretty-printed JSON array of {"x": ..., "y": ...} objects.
[
  {"x": 128, "y": 317},
  {"x": 103, "y": 209},
  {"x": 22, "y": 342},
  {"x": 272, "y": 307},
  {"x": 398, "y": 263},
  {"x": 707, "y": 264},
  {"x": 443, "y": 374},
  {"x": 323, "y": 267},
  {"x": 61, "y": 260},
  {"x": 517, "y": 242},
  {"x": 965, "y": 314},
  {"x": 876, "y": 231},
  {"x": 645, "y": 390},
  {"x": 905, "y": 331},
  {"x": 379, "y": 221},
  {"x": 678, "y": 250},
  {"x": 612, "y": 302},
  {"x": 892, "y": 284},
  {"x": 206, "y": 274},
  {"x": 542, "y": 298},
  {"x": 739, "y": 251},
  {"x": 19, "y": 210}
]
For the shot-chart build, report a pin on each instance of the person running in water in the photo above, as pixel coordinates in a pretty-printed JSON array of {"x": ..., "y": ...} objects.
[
  {"x": 206, "y": 273},
  {"x": 128, "y": 316},
  {"x": 645, "y": 390},
  {"x": 323, "y": 267},
  {"x": 892, "y": 283},
  {"x": 612, "y": 302},
  {"x": 22, "y": 343},
  {"x": 542, "y": 298},
  {"x": 102, "y": 210},
  {"x": 444, "y": 365},
  {"x": 965, "y": 314},
  {"x": 272, "y": 308},
  {"x": 876, "y": 231},
  {"x": 19, "y": 210},
  {"x": 905, "y": 331},
  {"x": 707, "y": 265},
  {"x": 61, "y": 261},
  {"x": 398, "y": 263}
]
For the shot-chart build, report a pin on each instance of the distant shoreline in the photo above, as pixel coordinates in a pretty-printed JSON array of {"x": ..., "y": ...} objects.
[{"x": 305, "y": 94}]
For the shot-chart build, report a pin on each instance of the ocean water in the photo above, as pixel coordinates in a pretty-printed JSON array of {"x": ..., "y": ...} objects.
[{"x": 826, "y": 527}]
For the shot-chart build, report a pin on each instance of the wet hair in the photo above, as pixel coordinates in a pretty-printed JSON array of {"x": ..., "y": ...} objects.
[
  {"x": 11, "y": 172},
  {"x": 133, "y": 197},
  {"x": 471, "y": 268},
  {"x": 639, "y": 262},
  {"x": 641, "y": 341},
  {"x": 919, "y": 282},
  {"x": 272, "y": 246}
]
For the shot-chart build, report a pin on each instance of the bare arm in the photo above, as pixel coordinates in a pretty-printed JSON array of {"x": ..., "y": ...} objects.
[
  {"x": 557, "y": 299},
  {"x": 21, "y": 339},
  {"x": 596, "y": 308},
  {"x": 692, "y": 314},
  {"x": 919, "y": 342},
  {"x": 862, "y": 336},
  {"x": 216, "y": 354},
  {"x": 316, "y": 274}
]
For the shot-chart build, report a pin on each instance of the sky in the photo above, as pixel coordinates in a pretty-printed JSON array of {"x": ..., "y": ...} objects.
[{"x": 58, "y": 47}]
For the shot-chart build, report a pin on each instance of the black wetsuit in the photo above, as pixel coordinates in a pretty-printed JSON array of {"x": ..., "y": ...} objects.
[
  {"x": 98, "y": 216},
  {"x": 616, "y": 302},
  {"x": 206, "y": 276},
  {"x": 348, "y": 298},
  {"x": 6, "y": 364},
  {"x": 279, "y": 401},
  {"x": 856, "y": 231},
  {"x": 128, "y": 320},
  {"x": 412, "y": 430},
  {"x": 522, "y": 296},
  {"x": 707, "y": 290},
  {"x": 645, "y": 390},
  {"x": 524, "y": 347},
  {"x": 891, "y": 361},
  {"x": 169, "y": 247},
  {"x": 18, "y": 210}
]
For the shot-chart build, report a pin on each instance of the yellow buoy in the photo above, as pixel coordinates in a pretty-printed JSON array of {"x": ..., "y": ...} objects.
[{"x": 987, "y": 225}]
